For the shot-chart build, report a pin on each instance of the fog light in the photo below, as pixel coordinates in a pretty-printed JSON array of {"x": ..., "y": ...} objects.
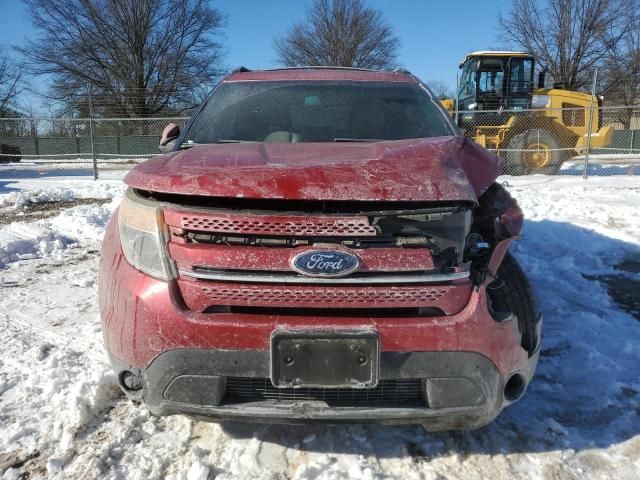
[
  {"x": 130, "y": 382},
  {"x": 514, "y": 388}
]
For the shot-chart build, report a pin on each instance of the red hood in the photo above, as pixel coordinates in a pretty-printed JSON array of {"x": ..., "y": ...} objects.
[{"x": 435, "y": 169}]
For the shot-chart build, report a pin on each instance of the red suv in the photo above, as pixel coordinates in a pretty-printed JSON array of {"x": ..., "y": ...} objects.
[{"x": 319, "y": 244}]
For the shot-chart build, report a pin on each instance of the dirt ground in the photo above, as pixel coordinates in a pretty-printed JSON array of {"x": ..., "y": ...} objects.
[{"x": 37, "y": 211}]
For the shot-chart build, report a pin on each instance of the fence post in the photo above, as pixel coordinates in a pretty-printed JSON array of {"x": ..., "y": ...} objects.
[
  {"x": 92, "y": 136},
  {"x": 34, "y": 132},
  {"x": 593, "y": 96},
  {"x": 457, "y": 98}
]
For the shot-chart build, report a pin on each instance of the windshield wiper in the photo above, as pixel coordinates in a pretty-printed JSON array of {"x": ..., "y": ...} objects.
[
  {"x": 345, "y": 139},
  {"x": 189, "y": 143}
]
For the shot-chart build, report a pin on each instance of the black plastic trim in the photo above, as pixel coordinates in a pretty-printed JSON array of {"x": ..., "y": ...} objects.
[{"x": 479, "y": 397}]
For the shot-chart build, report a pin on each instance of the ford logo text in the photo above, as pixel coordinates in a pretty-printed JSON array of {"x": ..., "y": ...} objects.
[{"x": 325, "y": 263}]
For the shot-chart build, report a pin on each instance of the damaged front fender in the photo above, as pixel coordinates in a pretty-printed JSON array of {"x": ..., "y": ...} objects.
[{"x": 498, "y": 220}]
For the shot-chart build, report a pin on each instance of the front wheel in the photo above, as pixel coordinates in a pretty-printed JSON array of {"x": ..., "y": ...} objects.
[{"x": 534, "y": 151}]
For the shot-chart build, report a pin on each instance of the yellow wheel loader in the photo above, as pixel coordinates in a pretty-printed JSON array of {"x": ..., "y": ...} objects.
[{"x": 535, "y": 129}]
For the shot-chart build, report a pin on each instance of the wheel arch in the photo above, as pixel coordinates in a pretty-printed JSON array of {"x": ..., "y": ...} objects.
[{"x": 520, "y": 124}]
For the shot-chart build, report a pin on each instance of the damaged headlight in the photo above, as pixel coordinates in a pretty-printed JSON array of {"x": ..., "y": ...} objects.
[
  {"x": 143, "y": 236},
  {"x": 446, "y": 228}
]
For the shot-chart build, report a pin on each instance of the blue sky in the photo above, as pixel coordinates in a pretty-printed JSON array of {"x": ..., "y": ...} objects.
[{"x": 435, "y": 35}]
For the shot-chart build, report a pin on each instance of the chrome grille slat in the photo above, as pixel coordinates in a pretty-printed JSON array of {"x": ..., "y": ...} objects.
[{"x": 229, "y": 276}]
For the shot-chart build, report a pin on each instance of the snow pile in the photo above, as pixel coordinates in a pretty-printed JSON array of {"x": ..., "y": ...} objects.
[
  {"x": 608, "y": 206},
  {"x": 86, "y": 223},
  {"x": 79, "y": 226},
  {"x": 26, "y": 198},
  {"x": 73, "y": 227},
  {"x": 597, "y": 168}
]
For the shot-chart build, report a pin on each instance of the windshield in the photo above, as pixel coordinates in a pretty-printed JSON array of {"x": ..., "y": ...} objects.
[
  {"x": 490, "y": 82},
  {"x": 467, "y": 88},
  {"x": 307, "y": 111}
]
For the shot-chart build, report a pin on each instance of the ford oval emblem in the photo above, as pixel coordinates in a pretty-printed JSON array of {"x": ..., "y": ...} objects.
[{"x": 325, "y": 263}]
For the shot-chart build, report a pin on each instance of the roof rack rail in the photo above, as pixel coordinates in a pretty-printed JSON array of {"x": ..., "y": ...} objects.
[{"x": 325, "y": 67}]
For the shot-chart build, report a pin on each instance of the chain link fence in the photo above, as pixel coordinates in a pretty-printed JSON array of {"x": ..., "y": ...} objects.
[
  {"x": 542, "y": 141},
  {"x": 36, "y": 147},
  {"x": 569, "y": 141}
]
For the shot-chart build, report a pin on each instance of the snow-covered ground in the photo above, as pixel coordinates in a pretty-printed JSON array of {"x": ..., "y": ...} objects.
[{"x": 61, "y": 414}]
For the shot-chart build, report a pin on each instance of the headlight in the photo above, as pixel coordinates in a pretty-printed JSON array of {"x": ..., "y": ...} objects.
[
  {"x": 540, "y": 101},
  {"x": 143, "y": 236}
]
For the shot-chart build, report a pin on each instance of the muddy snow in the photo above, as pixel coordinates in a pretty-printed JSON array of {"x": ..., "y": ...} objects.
[{"x": 62, "y": 416}]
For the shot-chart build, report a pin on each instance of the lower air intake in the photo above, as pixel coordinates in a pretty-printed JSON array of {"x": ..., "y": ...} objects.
[{"x": 390, "y": 393}]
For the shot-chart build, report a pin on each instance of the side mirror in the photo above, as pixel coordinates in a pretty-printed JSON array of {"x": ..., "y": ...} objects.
[{"x": 169, "y": 135}]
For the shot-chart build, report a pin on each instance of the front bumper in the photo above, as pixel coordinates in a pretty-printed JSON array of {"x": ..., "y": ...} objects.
[
  {"x": 183, "y": 358},
  {"x": 460, "y": 390}
]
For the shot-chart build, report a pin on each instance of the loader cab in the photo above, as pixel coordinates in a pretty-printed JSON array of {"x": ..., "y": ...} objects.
[{"x": 496, "y": 81}]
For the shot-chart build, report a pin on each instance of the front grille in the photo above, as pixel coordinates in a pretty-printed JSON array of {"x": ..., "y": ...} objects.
[
  {"x": 269, "y": 225},
  {"x": 242, "y": 258},
  {"x": 397, "y": 393},
  {"x": 201, "y": 296}
]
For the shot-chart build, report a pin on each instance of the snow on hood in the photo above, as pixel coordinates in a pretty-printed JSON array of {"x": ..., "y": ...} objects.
[{"x": 434, "y": 169}]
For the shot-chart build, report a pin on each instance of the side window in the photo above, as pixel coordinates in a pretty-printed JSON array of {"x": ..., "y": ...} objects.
[
  {"x": 521, "y": 76},
  {"x": 572, "y": 115},
  {"x": 467, "y": 80}
]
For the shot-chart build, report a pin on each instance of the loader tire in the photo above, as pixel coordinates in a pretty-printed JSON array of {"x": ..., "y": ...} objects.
[
  {"x": 511, "y": 292},
  {"x": 534, "y": 151}
]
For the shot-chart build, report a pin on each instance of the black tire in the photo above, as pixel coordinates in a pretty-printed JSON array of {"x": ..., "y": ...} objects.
[
  {"x": 518, "y": 154},
  {"x": 511, "y": 292}
]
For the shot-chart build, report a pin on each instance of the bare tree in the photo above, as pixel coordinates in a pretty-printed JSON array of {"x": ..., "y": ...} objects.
[
  {"x": 139, "y": 57},
  {"x": 441, "y": 89},
  {"x": 344, "y": 33},
  {"x": 622, "y": 82},
  {"x": 570, "y": 37},
  {"x": 10, "y": 84}
]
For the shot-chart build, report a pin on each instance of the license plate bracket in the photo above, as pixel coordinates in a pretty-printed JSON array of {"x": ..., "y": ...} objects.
[{"x": 324, "y": 359}]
